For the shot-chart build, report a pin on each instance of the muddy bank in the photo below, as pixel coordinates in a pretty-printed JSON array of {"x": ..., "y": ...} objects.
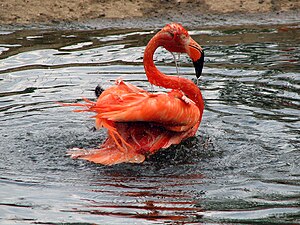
[{"x": 14, "y": 12}]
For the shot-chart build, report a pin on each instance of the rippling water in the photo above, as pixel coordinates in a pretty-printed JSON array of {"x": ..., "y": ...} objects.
[{"x": 241, "y": 168}]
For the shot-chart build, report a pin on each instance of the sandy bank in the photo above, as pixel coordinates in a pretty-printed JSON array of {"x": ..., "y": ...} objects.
[{"x": 54, "y": 11}]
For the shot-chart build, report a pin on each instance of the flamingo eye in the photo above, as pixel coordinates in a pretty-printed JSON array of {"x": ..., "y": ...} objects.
[{"x": 183, "y": 37}]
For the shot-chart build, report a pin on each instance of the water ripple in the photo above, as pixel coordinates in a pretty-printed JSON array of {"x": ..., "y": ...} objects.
[{"x": 242, "y": 166}]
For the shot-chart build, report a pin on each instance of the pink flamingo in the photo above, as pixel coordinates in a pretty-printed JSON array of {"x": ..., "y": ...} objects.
[{"x": 139, "y": 123}]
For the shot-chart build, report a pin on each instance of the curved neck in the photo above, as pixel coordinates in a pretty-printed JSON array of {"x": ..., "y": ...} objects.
[{"x": 173, "y": 82}]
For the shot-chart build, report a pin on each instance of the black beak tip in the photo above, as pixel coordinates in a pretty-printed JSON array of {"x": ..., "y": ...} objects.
[{"x": 199, "y": 65}]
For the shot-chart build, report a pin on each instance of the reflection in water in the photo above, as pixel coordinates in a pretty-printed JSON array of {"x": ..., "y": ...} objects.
[
  {"x": 152, "y": 191},
  {"x": 133, "y": 200},
  {"x": 242, "y": 167}
]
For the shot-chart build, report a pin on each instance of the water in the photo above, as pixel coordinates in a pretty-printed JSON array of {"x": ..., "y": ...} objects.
[{"x": 241, "y": 168}]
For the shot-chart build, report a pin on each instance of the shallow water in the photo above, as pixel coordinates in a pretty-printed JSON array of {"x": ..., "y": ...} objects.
[{"x": 241, "y": 168}]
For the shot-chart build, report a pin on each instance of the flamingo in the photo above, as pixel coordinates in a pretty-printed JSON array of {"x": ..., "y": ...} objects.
[{"x": 139, "y": 123}]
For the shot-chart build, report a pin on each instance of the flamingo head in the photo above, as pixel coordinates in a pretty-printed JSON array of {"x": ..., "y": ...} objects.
[{"x": 175, "y": 38}]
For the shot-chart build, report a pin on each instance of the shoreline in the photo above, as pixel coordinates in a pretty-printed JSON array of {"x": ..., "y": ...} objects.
[
  {"x": 191, "y": 21},
  {"x": 97, "y": 14}
]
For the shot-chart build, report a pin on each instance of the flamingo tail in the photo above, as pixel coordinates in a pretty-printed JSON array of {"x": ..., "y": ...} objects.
[{"x": 130, "y": 143}]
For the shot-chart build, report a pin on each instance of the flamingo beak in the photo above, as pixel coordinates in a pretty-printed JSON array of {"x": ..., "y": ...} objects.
[
  {"x": 196, "y": 53},
  {"x": 199, "y": 65}
]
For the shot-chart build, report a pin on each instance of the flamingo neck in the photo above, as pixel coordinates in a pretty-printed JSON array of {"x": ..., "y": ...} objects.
[{"x": 158, "y": 78}]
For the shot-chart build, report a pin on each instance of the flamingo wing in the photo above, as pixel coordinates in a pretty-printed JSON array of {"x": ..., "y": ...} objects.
[
  {"x": 172, "y": 110},
  {"x": 138, "y": 123}
]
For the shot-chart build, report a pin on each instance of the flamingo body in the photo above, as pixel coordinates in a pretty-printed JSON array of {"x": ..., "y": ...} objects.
[{"x": 140, "y": 123}]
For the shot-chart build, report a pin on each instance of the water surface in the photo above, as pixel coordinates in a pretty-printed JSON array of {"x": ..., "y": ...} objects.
[{"x": 241, "y": 168}]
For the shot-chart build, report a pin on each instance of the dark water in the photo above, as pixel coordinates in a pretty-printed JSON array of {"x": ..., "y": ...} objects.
[{"x": 241, "y": 168}]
